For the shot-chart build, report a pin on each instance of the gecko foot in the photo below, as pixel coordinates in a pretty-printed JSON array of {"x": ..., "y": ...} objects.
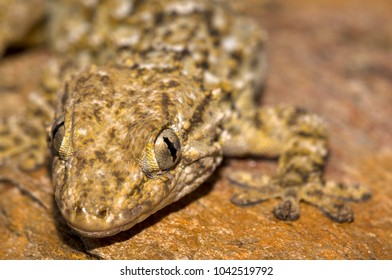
[
  {"x": 288, "y": 209},
  {"x": 329, "y": 197}
]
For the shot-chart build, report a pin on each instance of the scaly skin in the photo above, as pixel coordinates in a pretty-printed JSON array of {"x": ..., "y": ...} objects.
[{"x": 150, "y": 96}]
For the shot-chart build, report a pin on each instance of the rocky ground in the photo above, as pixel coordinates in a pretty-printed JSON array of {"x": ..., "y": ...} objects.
[{"x": 330, "y": 57}]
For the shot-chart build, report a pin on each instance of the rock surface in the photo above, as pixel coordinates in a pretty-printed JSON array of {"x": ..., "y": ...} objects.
[
  {"x": 330, "y": 57},
  {"x": 20, "y": 23}
]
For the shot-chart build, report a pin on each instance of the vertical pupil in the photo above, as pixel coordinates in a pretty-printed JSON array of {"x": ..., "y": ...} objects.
[{"x": 171, "y": 147}]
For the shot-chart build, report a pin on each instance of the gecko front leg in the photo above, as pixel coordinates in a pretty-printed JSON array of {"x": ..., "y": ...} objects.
[{"x": 300, "y": 140}]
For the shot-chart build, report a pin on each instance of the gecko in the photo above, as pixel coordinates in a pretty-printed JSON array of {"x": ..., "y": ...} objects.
[{"x": 141, "y": 102}]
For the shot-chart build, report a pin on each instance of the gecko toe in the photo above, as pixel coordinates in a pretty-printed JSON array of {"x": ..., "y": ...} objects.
[
  {"x": 254, "y": 188},
  {"x": 347, "y": 192},
  {"x": 288, "y": 210},
  {"x": 247, "y": 198},
  {"x": 339, "y": 212},
  {"x": 249, "y": 181}
]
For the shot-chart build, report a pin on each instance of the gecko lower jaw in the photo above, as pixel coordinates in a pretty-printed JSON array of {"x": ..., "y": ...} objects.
[{"x": 90, "y": 225}]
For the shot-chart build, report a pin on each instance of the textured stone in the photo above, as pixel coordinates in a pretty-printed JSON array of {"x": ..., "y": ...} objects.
[{"x": 330, "y": 57}]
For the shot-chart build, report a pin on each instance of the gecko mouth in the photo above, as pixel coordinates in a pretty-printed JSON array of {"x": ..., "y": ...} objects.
[{"x": 97, "y": 228}]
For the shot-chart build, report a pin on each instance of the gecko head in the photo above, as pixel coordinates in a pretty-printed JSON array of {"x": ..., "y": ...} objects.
[{"x": 127, "y": 142}]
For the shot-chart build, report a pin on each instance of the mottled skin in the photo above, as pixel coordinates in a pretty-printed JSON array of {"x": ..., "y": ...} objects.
[
  {"x": 114, "y": 172},
  {"x": 150, "y": 96}
]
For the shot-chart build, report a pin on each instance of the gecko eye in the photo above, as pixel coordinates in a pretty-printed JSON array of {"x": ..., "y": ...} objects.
[
  {"x": 167, "y": 149},
  {"x": 58, "y": 132},
  {"x": 60, "y": 143}
]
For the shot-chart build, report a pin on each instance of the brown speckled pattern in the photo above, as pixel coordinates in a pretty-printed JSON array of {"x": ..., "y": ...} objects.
[
  {"x": 127, "y": 70},
  {"x": 102, "y": 186}
]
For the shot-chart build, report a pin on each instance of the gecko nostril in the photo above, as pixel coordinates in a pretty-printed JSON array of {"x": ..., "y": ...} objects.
[{"x": 102, "y": 213}]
